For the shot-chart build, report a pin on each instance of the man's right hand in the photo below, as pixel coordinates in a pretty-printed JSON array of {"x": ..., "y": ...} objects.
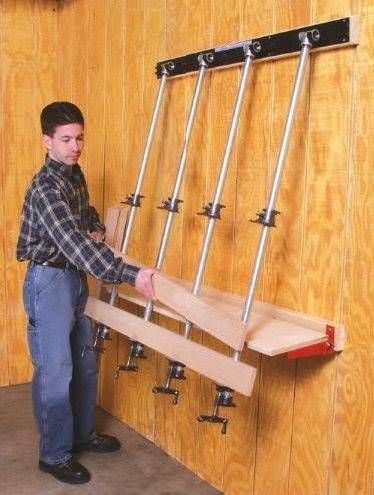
[{"x": 143, "y": 282}]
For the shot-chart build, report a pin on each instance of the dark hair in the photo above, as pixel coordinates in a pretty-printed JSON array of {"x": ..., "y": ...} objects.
[{"x": 59, "y": 113}]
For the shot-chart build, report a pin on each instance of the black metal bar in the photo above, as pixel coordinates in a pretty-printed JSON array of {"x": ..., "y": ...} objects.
[{"x": 331, "y": 33}]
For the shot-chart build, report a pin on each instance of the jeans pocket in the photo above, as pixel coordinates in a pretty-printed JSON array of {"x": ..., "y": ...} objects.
[
  {"x": 33, "y": 341},
  {"x": 45, "y": 278}
]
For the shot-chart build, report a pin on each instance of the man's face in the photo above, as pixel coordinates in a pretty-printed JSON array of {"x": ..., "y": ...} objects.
[{"x": 66, "y": 144}]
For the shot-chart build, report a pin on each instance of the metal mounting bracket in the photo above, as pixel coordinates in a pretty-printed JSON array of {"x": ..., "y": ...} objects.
[
  {"x": 323, "y": 35},
  {"x": 322, "y": 349}
]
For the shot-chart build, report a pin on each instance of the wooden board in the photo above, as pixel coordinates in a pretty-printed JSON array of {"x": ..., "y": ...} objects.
[
  {"x": 19, "y": 166},
  {"x": 322, "y": 262},
  {"x": 267, "y": 335},
  {"x": 95, "y": 104},
  {"x": 358, "y": 278},
  {"x": 253, "y": 156},
  {"x": 4, "y": 371},
  {"x": 350, "y": 461},
  {"x": 197, "y": 27},
  {"x": 151, "y": 19},
  {"x": 272, "y": 331},
  {"x": 215, "y": 366}
]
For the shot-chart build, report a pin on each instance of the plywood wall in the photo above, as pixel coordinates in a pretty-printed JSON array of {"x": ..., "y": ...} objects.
[
  {"x": 28, "y": 81},
  {"x": 308, "y": 427}
]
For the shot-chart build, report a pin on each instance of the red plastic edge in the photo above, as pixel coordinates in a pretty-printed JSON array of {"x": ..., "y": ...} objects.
[{"x": 322, "y": 349}]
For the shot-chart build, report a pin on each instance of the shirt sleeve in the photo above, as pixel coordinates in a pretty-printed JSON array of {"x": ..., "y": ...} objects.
[
  {"x": 78, "y": 248},
  {"x": 94, "y": 221}
]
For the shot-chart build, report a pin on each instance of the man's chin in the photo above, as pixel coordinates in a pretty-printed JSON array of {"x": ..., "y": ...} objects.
[{"x": 70, "y": 161}]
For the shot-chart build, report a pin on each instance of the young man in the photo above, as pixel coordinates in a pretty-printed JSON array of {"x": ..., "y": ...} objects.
[{"x": 61, "y": 237}]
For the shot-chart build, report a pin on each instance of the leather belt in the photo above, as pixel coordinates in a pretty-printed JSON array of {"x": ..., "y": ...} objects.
[{"x": 56, "y": 264}]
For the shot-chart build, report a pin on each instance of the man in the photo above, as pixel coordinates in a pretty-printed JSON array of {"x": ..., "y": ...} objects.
[{"x": 61, "y": 237}]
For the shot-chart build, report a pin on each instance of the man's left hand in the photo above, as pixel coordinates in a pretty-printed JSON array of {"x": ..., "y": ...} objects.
[{"x": 143, "y": 282}]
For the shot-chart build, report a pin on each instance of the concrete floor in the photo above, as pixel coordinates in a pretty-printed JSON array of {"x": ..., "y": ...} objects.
[{"x": 138, "y": 468}]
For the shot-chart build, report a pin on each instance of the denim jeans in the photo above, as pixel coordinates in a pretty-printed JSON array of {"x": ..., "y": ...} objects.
[{"x": 64, "y": 384}]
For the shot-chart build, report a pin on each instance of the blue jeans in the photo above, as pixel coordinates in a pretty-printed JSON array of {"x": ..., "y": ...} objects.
[{"x": 64, "y": 384}]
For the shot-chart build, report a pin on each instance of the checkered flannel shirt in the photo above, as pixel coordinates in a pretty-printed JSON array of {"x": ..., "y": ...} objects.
[{"x": 56, "y": 219}]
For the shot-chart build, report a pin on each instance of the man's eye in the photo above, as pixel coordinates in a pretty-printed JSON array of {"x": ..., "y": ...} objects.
[{"x": 66, "y": 140}]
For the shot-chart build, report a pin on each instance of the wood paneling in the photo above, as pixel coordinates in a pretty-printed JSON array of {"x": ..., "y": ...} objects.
[
  {"x": 312, "y": 418},
  {"x": 351, "y": 468},
  {"x": 26, "y": 53},
  {"x": 219, "y": 267},
  {"x": 282, "y": 272},
  {"x": 358, "y": 281},
  {"x": 95, "y": 104},
  {"x": 324, "y": 231},
  {"x": 193, "y": 197},
  {"x": 174, "y": 123},
  {"x": 130, "y": 385},
  {"x": 4, "y": 372},
  {"x": 252, "y": 163}
]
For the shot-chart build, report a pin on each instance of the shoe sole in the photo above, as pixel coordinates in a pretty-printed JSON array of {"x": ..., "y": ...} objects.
[
  {"x": 62, "y": 479},
  {"x": 78, "y": 449}
]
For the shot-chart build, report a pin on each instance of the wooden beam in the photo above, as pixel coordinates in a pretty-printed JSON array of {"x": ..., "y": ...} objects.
[
  {"x": 219, "y": 368},
  {"x": 266, "y": 335}
]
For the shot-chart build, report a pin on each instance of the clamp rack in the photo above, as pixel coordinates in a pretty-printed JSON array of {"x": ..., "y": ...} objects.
[{"x": 233, "y": 320}]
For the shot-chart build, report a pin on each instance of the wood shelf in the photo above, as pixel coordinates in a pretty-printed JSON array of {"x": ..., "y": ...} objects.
[{"x": 271, "y": 331}]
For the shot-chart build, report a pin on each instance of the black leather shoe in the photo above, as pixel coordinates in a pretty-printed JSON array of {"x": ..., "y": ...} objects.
[
  {"x": 69, "y": 471},
  {"x": 100, "y": 444}
]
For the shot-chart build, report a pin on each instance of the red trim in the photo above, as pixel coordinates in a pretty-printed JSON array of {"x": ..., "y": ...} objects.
[{"x": 322, "y": 349}]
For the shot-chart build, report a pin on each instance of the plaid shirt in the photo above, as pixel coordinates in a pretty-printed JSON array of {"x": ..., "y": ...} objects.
[{"x": 56, "y": 219}]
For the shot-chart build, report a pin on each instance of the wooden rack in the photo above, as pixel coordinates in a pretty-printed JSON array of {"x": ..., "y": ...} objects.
[{"x": 271, "y": 331}]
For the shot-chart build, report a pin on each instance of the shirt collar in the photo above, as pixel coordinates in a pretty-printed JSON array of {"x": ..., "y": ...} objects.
[{"x": 62, "y": 169}]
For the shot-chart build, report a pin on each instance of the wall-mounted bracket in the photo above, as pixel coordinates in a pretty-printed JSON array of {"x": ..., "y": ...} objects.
[
  {"x": 325, "y": 35},
  {"x": 321, "y": 349}
]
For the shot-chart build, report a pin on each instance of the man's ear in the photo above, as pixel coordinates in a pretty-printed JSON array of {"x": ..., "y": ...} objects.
[{"x": 47, "y": 141}]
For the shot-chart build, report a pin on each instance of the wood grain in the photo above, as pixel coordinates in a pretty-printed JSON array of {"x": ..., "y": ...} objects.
[
  {"x": 186, "y": 427},
  {"x": 359, "y": 239},
  {"x": 352, "y": 442},
  {"x": 4, "y": 371},
  {"x": 216, "y": 366},
  {"x": 219, "y": 268},
  {"x": 325, "y": 212},
  {"x": 320, "y": 256},
  {"x": 282, "y": 271},
  {"x": 95, "y": 104},
  {"x": 18, "y": 167}
]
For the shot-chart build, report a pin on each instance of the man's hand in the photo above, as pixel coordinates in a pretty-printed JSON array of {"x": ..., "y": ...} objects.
[
  {"x": 97, "y": 236},
  {"x": 143, "y": 282}
]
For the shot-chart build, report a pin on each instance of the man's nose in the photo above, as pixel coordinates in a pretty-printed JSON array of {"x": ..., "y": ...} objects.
[{"x": 75, "y": 145}]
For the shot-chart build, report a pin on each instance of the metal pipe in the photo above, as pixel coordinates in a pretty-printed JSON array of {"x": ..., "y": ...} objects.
[
  {"x": 173, "y": 200},
  {"x": 139, "y": 182},
  {"x": 144, "y": 161},
  {"x": 220, "y": 181},
  {"x": 306, "y": 46}
]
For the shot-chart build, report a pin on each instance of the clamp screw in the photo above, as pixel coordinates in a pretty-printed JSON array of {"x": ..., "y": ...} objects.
[{"x": 256, "y": 46}]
